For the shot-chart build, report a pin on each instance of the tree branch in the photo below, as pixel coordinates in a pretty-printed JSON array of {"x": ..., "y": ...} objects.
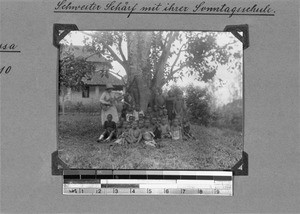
[
  {"x": 120, "y": 48},
  {"x": 91, "y": 55},
  {"x": 166, "y": 51},
  {"x": 177, "y": 58},
  {"x": 180, "y": 68},
  {"x": 172, "y": 72},
  {"x": 117, "y": 74},
  {"x": 117, "y": 58},
  {"x": 114, "y": 55}
]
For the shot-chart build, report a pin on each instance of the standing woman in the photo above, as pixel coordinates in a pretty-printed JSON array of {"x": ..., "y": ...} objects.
[{"x": 108, "y": 102}]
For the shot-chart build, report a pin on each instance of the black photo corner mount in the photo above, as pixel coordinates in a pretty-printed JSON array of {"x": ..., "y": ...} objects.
[
  {"x": 60, "y": 31},
  {"x": 235, "y": 29},
  {"x": 241, "y": 167},
  {"x": 57, "y": 165}
]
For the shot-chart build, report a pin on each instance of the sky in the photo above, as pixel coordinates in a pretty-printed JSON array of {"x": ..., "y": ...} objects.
[{"x": 222, "y": 94}]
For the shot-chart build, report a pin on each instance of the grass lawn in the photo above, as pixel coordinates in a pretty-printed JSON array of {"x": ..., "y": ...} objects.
[{"x": 213, "y": 149}]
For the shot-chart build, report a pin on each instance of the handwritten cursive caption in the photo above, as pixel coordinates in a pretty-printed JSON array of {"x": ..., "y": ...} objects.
[{"x": 129, "y": 8}]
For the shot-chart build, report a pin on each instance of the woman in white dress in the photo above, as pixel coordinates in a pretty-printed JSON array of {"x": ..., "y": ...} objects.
[{"x": 108, "y": 102}]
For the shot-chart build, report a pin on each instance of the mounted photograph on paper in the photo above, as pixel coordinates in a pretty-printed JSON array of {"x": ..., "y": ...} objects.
[{"x": 150, "y": 100}]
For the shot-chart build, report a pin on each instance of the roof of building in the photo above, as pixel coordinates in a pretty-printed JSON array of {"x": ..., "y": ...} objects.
[{"x": 98, "y": 79}]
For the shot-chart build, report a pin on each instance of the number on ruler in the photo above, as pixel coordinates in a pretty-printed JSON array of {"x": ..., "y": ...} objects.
[
  {"x": 80, "y": 190},
  {"x": 149, "y": 191},
  {"x": 98, "y": 190},
  {"x": 132, "y": 190},
  {"x": 115, "y": 190},
  {"x": 200, "y": 191},
  {"x": 167, "y": 191},
  {"x": 182, "y": 191},
  {"x": 216, "y": 191},
  {"x": 73, "y": 190}
]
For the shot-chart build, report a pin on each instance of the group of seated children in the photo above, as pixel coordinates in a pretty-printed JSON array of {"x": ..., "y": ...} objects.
[{"x": 136, "y": 126}]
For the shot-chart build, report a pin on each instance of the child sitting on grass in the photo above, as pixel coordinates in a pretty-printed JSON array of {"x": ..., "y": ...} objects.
[
  {"x": 160, "y": 113},
  {"x": 141, "y": 116},
  {"x": 148, "y": 113},
  {"x": 141, "y": 124},
  {"x": 165, "y": 128},
  {"x": 156, "y": 128},
  {"x": 135, "y": 134},
  {"x": 165, "y": 112},
  {"x": 126, "y": 130},
  {"x": 147, "y": 117},
  {"x": 123, "y": 134},
  {"x": 129, "y": 113},
  {"x": 148, "y": 135},
  {"x": 110, "y": 130},
  {"x": 125, "y": 126},
  {"x": 131, "y": 119},
  {"x": 119, "y": 126},
  {"x": 155, "y": 111},
  {"x": 120, "y": 131},
  {"x": 176, "y": 132}
]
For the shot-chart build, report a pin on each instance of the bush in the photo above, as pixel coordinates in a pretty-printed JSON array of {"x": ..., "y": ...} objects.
[
  {"x": 230, "y": 116},
  {"x": 197, "y": 101}
]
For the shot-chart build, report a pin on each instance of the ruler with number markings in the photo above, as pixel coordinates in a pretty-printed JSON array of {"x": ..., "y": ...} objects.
[{"x": 171, "y": 183}]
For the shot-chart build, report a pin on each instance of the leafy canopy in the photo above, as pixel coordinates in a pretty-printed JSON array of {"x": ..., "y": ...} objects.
[{"x": 172, "y": 54}]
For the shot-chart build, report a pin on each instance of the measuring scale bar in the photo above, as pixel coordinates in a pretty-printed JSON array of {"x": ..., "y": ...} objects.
[{"x": 150, "y": 187}]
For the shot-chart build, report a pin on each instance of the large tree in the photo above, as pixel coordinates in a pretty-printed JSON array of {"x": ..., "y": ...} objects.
[{"x": 153, "y": 58}]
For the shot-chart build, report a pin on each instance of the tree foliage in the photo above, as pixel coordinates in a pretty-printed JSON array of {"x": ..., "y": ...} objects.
[
  {"x": 230, "y": 116},
  {"x": 198, "y": 104},
  {"x": 74, "y": 71},
  {"x": 204, "y": 55}
]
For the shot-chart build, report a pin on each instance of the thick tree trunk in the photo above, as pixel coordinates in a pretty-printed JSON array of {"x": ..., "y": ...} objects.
[{"x": 138, "y": 47}]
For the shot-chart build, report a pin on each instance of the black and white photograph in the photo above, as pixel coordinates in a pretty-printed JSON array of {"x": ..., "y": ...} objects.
[{"x": 150, "y": 100}]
